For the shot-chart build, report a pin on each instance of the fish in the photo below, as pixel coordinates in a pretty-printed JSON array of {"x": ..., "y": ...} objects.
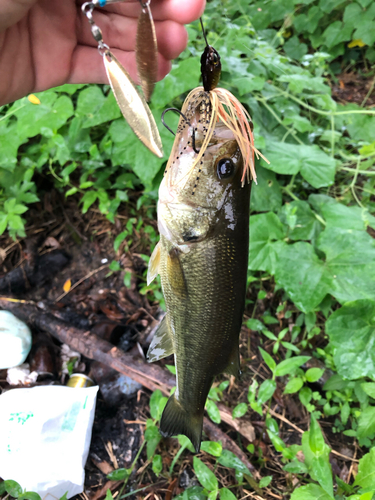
[{"x": 202, "y": 259}]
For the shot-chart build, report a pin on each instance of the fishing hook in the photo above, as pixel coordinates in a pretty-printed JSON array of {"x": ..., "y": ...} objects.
[{"x": 186, "y": 120}]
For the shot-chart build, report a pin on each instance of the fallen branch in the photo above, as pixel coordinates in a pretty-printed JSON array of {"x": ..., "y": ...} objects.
[{"x": 93, "y": 347}]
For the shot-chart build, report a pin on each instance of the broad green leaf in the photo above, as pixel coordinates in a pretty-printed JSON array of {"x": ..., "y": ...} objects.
[
  {"x": 314, "y": 374},
  {"x": 270, "y": 362},
  {"x": 255, "y": 324},
  {"x": 185, "y": 442},
  {"x": 265, "y": 230},
  {"x": 29, "y": 495},
  {"x": 157, "y": 465},
  {"x": 2, "y": 487},
  {"x": 13, "y": 488},
  {"x": 155, "y": 399},
  {"x": 315, "y": 166},
  {"x": 239, "y": 410},
  {"x": 205, "y": 476},
  {"x": 266, "y": 390},
  {"x": 366, "y": 471},
  {"x": 118, "y": 474},
  {"x": 192, "y": 493},
  {"x": 276, "y": 440},
  {"x": 249, "y": 83},
  {"x": 366, "y": 422},
  {"x": 350, "y": 262},
  {"x": 307, "y": 226},
  {"x": 183, "y": 77},
  {"x": 310, "y": 492},
  {"x": 226, "y": 494},
  {"x": 153, "y": 437},
  {"x": 320, "y": 470},
  {"x": 265, "y": 481},
  {"x": 288, "y": 366},
  {"x": 340, "y": 216},
  {"x": 296, "y": 467},
  {"x": 88, "y": 199},
  {"x": 266, "y": 195},
  {"x": 302, "y": 275},
  {"x": 369, "y": 388},
  {"x": 230, "y": 460},
  {"x": 299, "y": 82},
  {"x": 354, "y": 354},
  {"x": 108, "y": 495},
  {"x": 212, "y": 447},
  {"x": 294, "y": 48},
  {"x": 294, "y": 385},
  {"x": 336, "y": 33},
  {"x": 89, "y": 101},
  {"x": 213, "y": 411}
]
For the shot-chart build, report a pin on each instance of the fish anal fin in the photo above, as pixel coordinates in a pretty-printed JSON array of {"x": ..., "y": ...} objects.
[
  {"x": 177, "y": 420},
  {"x": 175, "y": 273},
  {"x": 153, "y": 266},
  {"x": 233, "y": 367},
  {"x": 162, "y": 343}
]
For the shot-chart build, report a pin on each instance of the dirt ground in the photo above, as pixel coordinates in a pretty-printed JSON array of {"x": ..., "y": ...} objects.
[{"x": 79, "y": 248}]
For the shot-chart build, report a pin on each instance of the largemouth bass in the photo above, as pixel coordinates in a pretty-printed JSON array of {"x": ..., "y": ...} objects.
[{"x": 202, "y": 258}]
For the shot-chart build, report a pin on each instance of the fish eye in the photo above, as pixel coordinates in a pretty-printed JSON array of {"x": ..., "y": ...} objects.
[{"x": 225, "y": 168}]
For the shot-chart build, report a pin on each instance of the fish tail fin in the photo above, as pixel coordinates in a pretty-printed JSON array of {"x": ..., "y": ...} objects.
[{"x": 176, "y": 420}]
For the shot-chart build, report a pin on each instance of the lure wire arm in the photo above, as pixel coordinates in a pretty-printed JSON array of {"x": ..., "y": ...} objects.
[{"x": 175, "y": 110}]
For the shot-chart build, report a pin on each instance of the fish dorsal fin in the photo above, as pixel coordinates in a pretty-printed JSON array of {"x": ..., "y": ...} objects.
[
  {"x": 162, "y": 344},
  {"x": 233, "y": 367},
  {"x": 175, "y": 274},
  {"x": 153, "y": 266}
]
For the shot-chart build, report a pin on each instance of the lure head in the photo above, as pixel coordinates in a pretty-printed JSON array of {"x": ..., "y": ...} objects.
[{"x": 210, "y": 68}]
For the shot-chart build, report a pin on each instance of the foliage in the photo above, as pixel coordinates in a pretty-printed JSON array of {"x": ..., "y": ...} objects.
[{"x": 311, "y": 221}]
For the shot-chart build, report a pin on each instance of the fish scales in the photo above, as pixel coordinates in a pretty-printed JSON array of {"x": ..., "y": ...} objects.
[{"x": 202, "y": 258}]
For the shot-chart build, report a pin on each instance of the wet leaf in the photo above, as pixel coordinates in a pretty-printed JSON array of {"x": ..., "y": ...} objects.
[
  {"x": 230, "y": 460},
  {"x": 266, "y": 390},
  {"x": 205, "y": 476},
  {"x": 157, "y": 465},
  {"x": 226, "y": 494},
  {"x": 288, "y": 366},
  {"x": 213, "y": 411},
  {"x": 212, "y": 447},
  {"x": 366, "y": 471},
  {"x": 13, "y": 488},
  {"x": 239, "y": 410},
  {"x": 118, "y": 475},
  {"x": 310, "y": 492}
]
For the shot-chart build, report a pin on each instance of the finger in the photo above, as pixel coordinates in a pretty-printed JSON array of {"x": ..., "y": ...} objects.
[
  {"x": 87, "y": 65},
  {"x": 120, "y": 32},
  {"x": 181, "y": 11},
  {"x": 12, "y": 11}
]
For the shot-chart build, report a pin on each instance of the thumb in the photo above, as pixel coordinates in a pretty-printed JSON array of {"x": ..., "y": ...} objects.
[{"x": 11, "y": 11}]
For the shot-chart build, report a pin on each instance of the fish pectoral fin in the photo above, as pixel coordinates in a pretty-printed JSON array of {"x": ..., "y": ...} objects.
[
  {"x": 175, "y": 274},
  {"x": 153, "y": 266},
  {"x": 178, "y": 420},
  {"x": 233, "y": 367},
  {"x": 162, "y": 343}
]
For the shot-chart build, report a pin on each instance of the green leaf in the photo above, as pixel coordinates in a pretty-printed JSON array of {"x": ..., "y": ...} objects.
[
  {"x": 212, "y": 447},
  {"x": 108, "y": 495},
  {"x": 307, "y": 226},
  {"x": 2, "y": 487},
  {"x": 296, "y": 467},
  {"x": 239, "y": 410},
  {"x": 354, "y": 355},
  {"x": 350, "y": 263},
  {"x": 320, "y": 470},
  {"x": 366, "y": 471},
  {"x": 157, "y": 465},
  {"x": 88, "y": 199},
  {"x": 310, "y": 492},
  {"x": 288, "y": 366},
  {"x": 230, "y": 460},
  {"x": 369, "y": 388},
  {"x": 205, "y": 476},
  {"x": 265, "y": 230},
  {"x": 185, "y": 443},
  {"x": 299, "y": 82},
  {"x": 314, "y": 374},
  {"x": 13, "y": 488},
  {"x": 340, "y": 216},
  {"x": 294, "y": 385},
  {"x": 315, "y": 166},
  {"x": 366, "y": 422},
  {"x": 336, "y": 33},
  {"x": 249, "y": 83},
  {"x": 153, "y": 437},
  {"x": 266, "y": 195},
  {"x": 255, "y": 324},
  {"x": 302, "y": 275},
  {"x": 118, "y": 475},
  {"x": 226, "y": 494},
  {"x": 270, "y": 362},
  {"x": 265, "y": 481},
  {"x": 192, "y": 493},
  {"x": 29, "y": 495},
  {"x": 266, "y": 390},
  {"x": 316, "y": 440},
  {"x": 213, "y": 411},
  {"x": 294, "y": 48}
]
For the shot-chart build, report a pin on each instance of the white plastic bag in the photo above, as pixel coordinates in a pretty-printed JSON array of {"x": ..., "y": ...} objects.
[{"x": 45, "y": 437}]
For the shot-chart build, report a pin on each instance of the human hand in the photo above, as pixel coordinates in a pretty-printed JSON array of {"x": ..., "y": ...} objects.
[{"x": 46, "y": 43}]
